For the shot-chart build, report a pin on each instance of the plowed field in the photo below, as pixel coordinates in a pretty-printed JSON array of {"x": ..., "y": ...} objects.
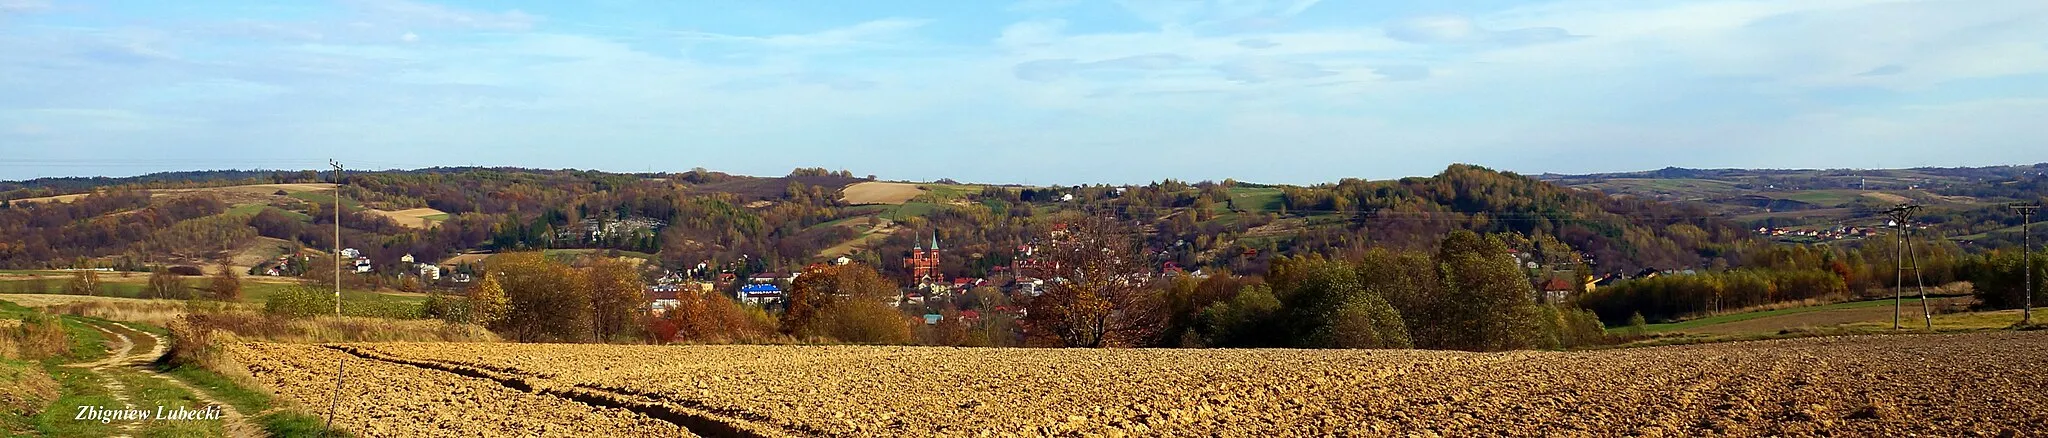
[{"x": 1941, "y": 385}]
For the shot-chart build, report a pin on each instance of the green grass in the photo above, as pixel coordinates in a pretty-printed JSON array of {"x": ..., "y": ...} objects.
[
  {"x": 1254, "y": 200},
  {"x": 252, "y": 292},
  {"x": 294, "y": 424},
  {"x": 246, "y": 210},
  {"x": 1734, "y": 317},
  {"x": 1943, "y": 323},
  {"x": 149, "y": 392},
  {"x": 326, "y": 197},
  {"x": 913, "y": 209},
  {"x": 80, "y": 388},
  {"x": 946, "y": 192},
  {"x": 442, "y": 217}
]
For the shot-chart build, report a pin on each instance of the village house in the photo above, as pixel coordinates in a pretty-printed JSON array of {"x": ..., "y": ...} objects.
[
  {"x": 661, "y": 298},
  {"x": 1556, "y": 290},
  {"x": 772, "y": 277},
  {"x": 760, "y": 294}
]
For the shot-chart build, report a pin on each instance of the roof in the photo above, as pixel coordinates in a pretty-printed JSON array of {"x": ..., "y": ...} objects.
[{"x": 1556, "y": 284}]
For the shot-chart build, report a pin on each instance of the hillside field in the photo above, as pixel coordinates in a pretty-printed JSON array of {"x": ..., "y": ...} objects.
[
  {"x": 1863, "y": 385},
  {"x": 876, "y": 192}
]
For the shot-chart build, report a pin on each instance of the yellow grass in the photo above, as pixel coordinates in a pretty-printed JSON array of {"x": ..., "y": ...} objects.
[
  {"x": 1887, "y": 197},
  {"x": 252, "y": 189},
  {"x": 469, "y": 258},
  {"x": 874, "y": 192},
  {"x": 153, "y": 312},
  {"x": 411, "y": 218}
]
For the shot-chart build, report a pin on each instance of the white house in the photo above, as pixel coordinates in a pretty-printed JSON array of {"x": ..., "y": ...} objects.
[
  {"x": 407, "y": 259},
  {"x": 428, "y": 271},
  {"x": 760, "y": 294},
  {"x": 350, "y": 253},
  {"x": 663, "y": 297}
]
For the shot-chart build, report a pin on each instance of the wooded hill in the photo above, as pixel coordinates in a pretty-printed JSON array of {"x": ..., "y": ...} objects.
[
  {"x": 1966, "y": 204},
  {"x": 755, "y": 224}
]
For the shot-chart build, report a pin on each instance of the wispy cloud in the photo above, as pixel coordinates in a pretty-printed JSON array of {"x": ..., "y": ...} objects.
[
  {"x": 925, "y": 92},
  {"x": 413, "y": 13},
  {"x": 1461, "y": 30}
]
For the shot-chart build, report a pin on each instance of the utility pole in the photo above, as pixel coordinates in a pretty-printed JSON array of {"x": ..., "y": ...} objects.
[
  {"x": 1902, "y": 217},
  {"x": 337, "y": 236},
  {"x": 340, "y": 368},
  {"x": 2026, "y": 212}
]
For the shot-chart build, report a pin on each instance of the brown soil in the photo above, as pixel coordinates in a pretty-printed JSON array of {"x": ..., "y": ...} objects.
[{"x": 1898, "y": 385}]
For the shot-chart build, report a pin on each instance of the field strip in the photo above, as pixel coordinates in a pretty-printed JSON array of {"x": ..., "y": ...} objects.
[
  {"x": 117, "y": 355},
  {"x": 233, "y": 423},
  {"x": 696, "y": 420}
]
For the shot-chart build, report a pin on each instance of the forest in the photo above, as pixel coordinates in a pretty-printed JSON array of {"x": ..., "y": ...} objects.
[{"x": 1349, "y": 263}]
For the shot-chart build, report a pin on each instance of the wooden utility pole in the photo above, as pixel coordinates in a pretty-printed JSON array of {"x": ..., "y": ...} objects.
[{"x": 2026, "y": 212}]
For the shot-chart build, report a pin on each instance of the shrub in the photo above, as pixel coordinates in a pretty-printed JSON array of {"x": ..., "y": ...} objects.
[
  {"x": 38, "y": 336},
  {"x": 299, "y": 302}
]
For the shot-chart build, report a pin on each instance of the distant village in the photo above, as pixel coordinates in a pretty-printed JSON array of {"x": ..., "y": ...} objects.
[{"x": 1025, "y": 276}]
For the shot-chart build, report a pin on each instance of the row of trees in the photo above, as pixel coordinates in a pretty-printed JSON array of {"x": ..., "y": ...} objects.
[
  {"x": 1677, "y": 296},
  {"x": 1468, "y": 296}
]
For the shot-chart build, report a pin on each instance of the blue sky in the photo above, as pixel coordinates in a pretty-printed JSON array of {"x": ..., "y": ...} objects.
[{"x": 1031, "y": 91}]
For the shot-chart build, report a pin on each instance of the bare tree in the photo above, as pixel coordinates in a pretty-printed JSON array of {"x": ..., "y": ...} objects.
[{"x": 1099, "y": 297}]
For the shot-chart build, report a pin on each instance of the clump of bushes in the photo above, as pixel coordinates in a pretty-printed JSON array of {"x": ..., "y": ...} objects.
[{"x": 37, "y": 336}]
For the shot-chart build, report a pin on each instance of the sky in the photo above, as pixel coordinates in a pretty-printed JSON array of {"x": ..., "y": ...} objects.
[{"x": 1030, "y": 91}]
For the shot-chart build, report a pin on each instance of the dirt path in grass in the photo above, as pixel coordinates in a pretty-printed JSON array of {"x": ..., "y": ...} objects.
[
  {"x": 117, "y": 355},
  {"x": 232, "y": 421}
]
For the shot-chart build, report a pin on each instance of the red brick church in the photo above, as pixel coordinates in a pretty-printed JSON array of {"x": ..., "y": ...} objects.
[{"x": 924, "y": 262}]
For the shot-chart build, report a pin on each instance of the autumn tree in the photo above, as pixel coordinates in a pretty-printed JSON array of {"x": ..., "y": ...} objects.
[
  {"x": 1332, "y": 308},
  {"x": 849, "y": 303},
  {"x": 1487, "y": 302},
  {"x": 84, "y": 281},
  {"x": 616, "y": 297},
  {"x": 546, "y": 303},
  {"x": 707, "y": 318},
  {"x": 226, "y": 285},
  {"x": 487, "y": 302},
  {"x": 165, "y": 285},
  {"x": 1099, "y": 297}
]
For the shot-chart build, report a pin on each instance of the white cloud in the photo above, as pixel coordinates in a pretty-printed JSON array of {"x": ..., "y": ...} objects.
[
  {"x": 8, "y": 6},
  {"x": 1715, "y": 82},
  {"x": 1041, "y": 5},
  {"x": 427, "y": 14},
  {"x": 1031, "y": 33}
]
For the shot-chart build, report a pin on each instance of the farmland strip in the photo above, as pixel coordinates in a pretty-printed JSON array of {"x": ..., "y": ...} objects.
[{"x": 696, "y": 420}]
